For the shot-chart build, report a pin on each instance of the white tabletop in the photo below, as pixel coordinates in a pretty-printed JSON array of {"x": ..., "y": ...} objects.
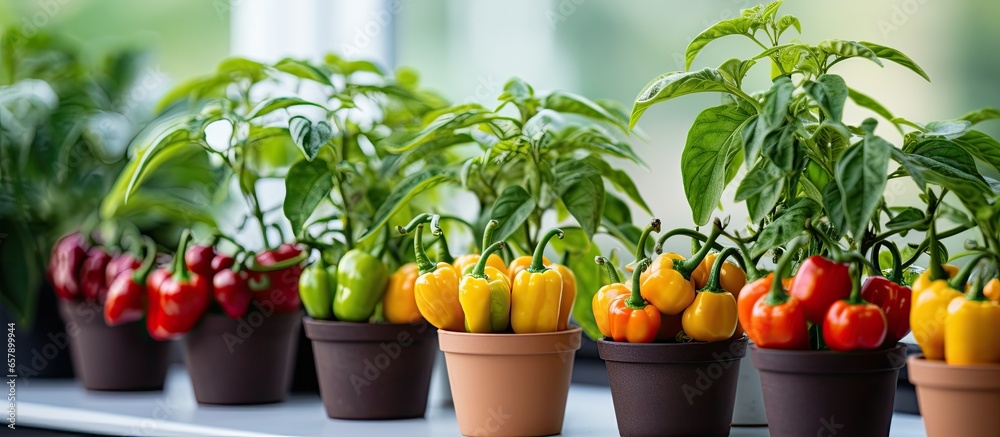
[{"x": 65, "y": 405}]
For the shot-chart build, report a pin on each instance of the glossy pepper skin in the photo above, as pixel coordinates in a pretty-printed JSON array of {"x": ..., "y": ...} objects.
[
  {"x": 630, "y": 317},
  {"x": 126, "y": 298},
  {"x": 732, "y": 278},
  {"x": 894, "y": 301},
  {"x": 177, "y": 298},
  {"x": 819, "y": 283},
  {"x": 361, "y": 281},
  {"x": 931, "y": 295},
  {"x": 972, "y": 331},
  {"x": 231, "y": 291},
  {"x": 749, "y": 296},
  {"x": 854, "y": 324},
  {"x": 536, "y": 293},
  {"x": 713, "y": 314},
  {"x": 93, "y": 274},
  {"x": 924, "y": 279},
  {"x": 778, "y": 320},
  {"x": 316, "y": 289},
  {"x": 568, "y": 294},
  {"x": 436, "y": 289},
  {"x": 399, "y": 304},
  {"x": 669, "y": 286},
  {"x": 198, "y": 259},
  {"x": 120, "y": 263},
  {"x": 278, "y": 286},
  {"x": 65, "y": 262},
  {"x": 485, "y": 296},
  {"x": 601, "y": 303},
  {"x": 521, "y": 263},
  {"x": 992, "y": 290},
  {"x": 465, "y": 263}
]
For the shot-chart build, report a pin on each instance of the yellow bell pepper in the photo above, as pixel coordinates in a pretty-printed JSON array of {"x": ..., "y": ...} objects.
[
  {"x": 924, "y": 279},
  {"x": 972, "y": 330},
  {"x": 713, "y": 315},
  {"x": 992, "y": 290},
  {"x": 485, "y": 296},
  {"x": 521, "y": 263},
  {"x": 537, "y": 293},
  {"x": 732, "y": 278},
  {"x": 568, "y": 294},
  {"x": 399, "y": 305},
  {"x": 669, "y": 287},
  {"x": 601, "y": 303},
  {"x": 928, "y": 315},
  {"x": 436, "y": 290},
  {"x": 465, "y": 263}
]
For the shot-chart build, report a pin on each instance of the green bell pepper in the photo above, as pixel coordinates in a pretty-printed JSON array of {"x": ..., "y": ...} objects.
[
  {"x": 361, "y": 281},
  {"x": 316, "y": 288}
]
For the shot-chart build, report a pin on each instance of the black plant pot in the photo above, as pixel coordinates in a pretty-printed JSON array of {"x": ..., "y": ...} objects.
[{"x": 43, "y": 348}]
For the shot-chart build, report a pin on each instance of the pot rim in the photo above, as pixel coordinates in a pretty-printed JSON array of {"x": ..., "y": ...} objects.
[
  {"x": 668, "y": 353},
  {"x": 939, "y": 374},
  {"x": 828, "y": 362},
  {"x": 536, "y": 343},
  {"x": 358, "y": 332}
]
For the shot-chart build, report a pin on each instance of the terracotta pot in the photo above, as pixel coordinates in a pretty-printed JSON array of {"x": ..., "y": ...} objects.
[
  {"x": 373, "y": 371},
  {"x": 120, "y": 358},
  {"x": 664, "y": 389},
  {"x": 810, "y": 393},
  {"x": 245, "y": 361},
  {"x": 510, "y": 384},
  {"x": 957, "y": 400}
]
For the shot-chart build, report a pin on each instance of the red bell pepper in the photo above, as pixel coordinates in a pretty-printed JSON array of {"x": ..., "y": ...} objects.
[
  {"x": 198, "y": 259},
  {"x": 853, "y": 323},
  {"x": 818, "y": 284},
  {"x": 778, "y": 320},
  {"x": 65, "y": 262},
  {"x": 230, "y": 289},
  {"x": 120, "y": 263},
  {"x": 126, "y": 299},
  {"x": 749, "y": 295},
  {"x": 890, "y": 295},
  {"x": 221, "y": 262},
  {"x": 177, "y": 297},
  {"x": 93, "y": 284},
  {"x": 275, "y": 277}
]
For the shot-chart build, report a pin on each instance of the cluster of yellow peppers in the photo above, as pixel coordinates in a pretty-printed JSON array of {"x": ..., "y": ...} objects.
[
  {"x": 960, "y": 328},
  {"x": 681, "y": 291},
  {"x": 478, "y": 293}
]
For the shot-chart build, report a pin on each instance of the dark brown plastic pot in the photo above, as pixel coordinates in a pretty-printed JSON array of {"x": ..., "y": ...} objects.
[
  {"x": 957, "y": 400},
  {"x": 245, "y": 361},
  {"x": 673, "y": 389},
  {"x": 373, "y": 370},
  {"x": 810, "y": 393},
  {"x": 120, "y": 358}
]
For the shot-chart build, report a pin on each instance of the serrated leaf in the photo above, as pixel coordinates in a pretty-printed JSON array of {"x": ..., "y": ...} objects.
[
  {"x": 306, "y": 185},
  {"x": 670, "y": 85},
  {"x": 732, "y": 26},
  {"x": 713, "y": 136},
  {"x": 511, "y": 210},
  {"x": 891, "y": 54}
]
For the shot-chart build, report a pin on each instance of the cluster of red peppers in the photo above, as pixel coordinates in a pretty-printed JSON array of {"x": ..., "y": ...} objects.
[{"x": 173, "y": 297}]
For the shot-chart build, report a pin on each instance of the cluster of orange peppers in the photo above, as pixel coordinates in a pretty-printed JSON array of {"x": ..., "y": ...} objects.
[
  {"x": 478, "y": 293},
  {"x": 671, "y": 297}
]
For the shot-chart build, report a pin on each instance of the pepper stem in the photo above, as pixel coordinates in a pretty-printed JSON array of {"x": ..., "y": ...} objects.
[
  {"x": 640, "y": 249},
  {"x": 687, "y": 266},
  {"x": 612, "y": 270},
  {"x": 937, "y": 270},
  {"x": 713, "y": 277},
  {"x": 976, "y": 292},
  {"x": 681, "y": 231},
  {"x": 419, "y": 219},
  {"x": 897, "y": 262},
  {"x": 746, "y": 259},
  {"x": 179, "y": 268},
  {"x": 635, "y": 300},
  {"x": 479, "y": 271},
  {"x": 537, "y": 260},
  {"x": 423, "y": 262},
  {"x": 445, "y": 253},
  {"x": 777, "y": 295},
  {"x": 836, "y": 251},
  {"x": 139, "y": 275},
  {"x": 962, "y": 277},
  {"x": 488, "y": 233},
  {"x": 855, "y": 271}
]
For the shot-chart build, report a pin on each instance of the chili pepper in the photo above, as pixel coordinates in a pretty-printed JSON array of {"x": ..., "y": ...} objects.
[
  {"x": 274, "y": 277},
  {"x": 485, "y": 296},
  {"x": 972, "y": 329},
  {"x": 465, "y": 263},
  {"x": 317, "y": 291},
  {"x": 630, "y": 317},
  {"x": 198, "y": 259},
  {"x": 931, "y": 297},
  {"x": 92, "y": 274},
  {"x": 712, "y": 316},
  {"x": 436, "y": 289},
  {"x": 732, "y": 278},
  {"x": 568, "y": 294},
  {"x": 890, "y": 295},
  {"x": 65, "y": 261},
  {"x": 361, "y": 281},
  {"x": 120, "y": 263},
  {"x": 231, "y": 291},
  {"x": 126, "y": 299},
  {"x": 222, "y": 261},
  {"x": 399, "y": 304},
  {"x": 536, "y": 294},
  {"x": 778, "y": 320},
  {"x": 177, "y": 297},
  {"x": 602, "y": 300},
  {"x": 992, "y": 290},
  {"x": 853, "y": 323},
  {"x": 669, "y": 286}
]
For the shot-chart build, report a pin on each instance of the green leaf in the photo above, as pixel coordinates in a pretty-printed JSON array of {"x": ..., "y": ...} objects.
[
  {"x": 761, "y": 189},
  {"x": 771, "y": 118},
  {"x": 584, "y": 198},
  {"x": 891, "y": 54},
  {"x": 426, "y": 150},
  {"x": 504, "y": 127},
  {"x": 271, "y": 105},
  {"x": 789, "y": 223},
  {"x": 909, "y": 217},
  {"x": 847, "y": 49},
  {"x": 829, "y": 91},
  {"x": 939, "y": 162},
  {"x": 511, "y": 209},
  {"x": 713, "y": 137},
  {"x": 732, "y": 26},
  {"x": 303, "y": 70},
  {"x": 561, "y": 101},
  {"x": 306, "y": 185},
  {"x": 787, "y": 21},
  {"x": 670, "y": 85},
  {"x": 139, "y": 168},
  {"x": 735, "y": 70},
  {"x": 620, "y": 179},
  {"x": 864, "y": 101},
  {"x": 834, "y": 206},
  {"x": 861, "y": 175},
  {"x": 309, "y": 136},
  {"x": 780, "y": 148},
  {"x": 947, "y": 130},
  {"x": 402, "y": 193},
  {"x": 982, "y": 115},
  {"x": 981, "y": 146},
  {"x": 243, "y": 68}
]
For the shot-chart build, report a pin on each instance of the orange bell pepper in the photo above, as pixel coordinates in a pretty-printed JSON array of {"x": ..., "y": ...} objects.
[
  {"x": 631, "y": 318},
  {"x": 601, "y": 303}
]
